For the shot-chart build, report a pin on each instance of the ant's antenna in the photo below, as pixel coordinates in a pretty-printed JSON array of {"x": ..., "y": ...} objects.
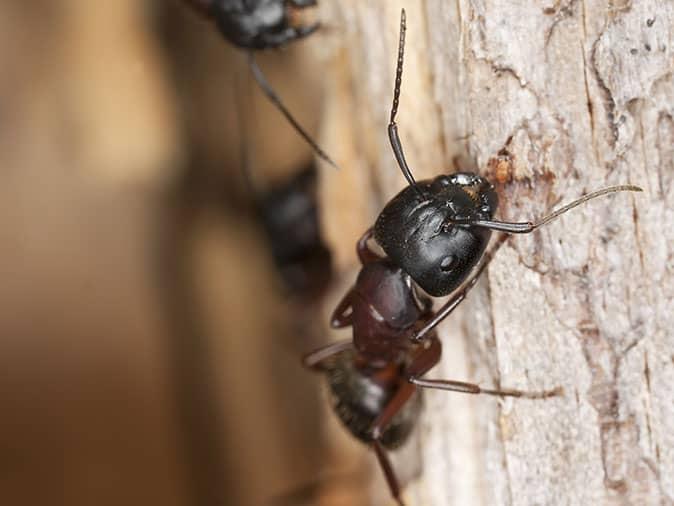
[
  {"x": 528, "y": 226},
  {"x": 392, "y": 126},
  {"x": 274, "y": 99}
]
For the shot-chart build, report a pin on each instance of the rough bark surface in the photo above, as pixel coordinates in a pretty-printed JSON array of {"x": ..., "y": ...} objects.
[{"x": 552, "y": 100}]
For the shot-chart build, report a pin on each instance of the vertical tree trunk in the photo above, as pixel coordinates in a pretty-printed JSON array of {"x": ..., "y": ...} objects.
[{"x": 551, "y": 100}]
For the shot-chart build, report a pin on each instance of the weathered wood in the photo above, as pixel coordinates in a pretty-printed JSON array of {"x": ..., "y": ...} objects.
[{"x": 580, "y": 95}]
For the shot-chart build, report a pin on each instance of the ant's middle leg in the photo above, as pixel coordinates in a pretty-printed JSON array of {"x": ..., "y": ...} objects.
[
  {"x": 428, "y": 357},
  {"x": 314, "y": 359}
]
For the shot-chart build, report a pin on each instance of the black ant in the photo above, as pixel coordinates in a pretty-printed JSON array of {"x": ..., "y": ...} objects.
[
  {"x": 434, "y": 233},
  {"x": 289, "y": 214},
  {"x": 255, "y": 25}
]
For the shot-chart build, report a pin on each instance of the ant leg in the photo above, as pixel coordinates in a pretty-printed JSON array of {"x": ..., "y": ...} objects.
[
  {"x": 423, "y": 360},
  {"x": 529, "y": 226},
  {"x": 274, "y": 99},
  {"x": 313, "y": 360},
  {"x": 428, "y": 357},
  {"x": 342, "y": 316},
  {"x": 461, "y": 294},
  {"x": 303, "y": 3},
  {"x": 365, "y": 254},
  {"x": 387, "y": 468},
  {"x": 394, "y": 405},
  {"x": 472, "y": 388}
]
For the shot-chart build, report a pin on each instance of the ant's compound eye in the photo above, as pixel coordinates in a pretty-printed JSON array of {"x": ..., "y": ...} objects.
[{"x": 448, "y": 263}]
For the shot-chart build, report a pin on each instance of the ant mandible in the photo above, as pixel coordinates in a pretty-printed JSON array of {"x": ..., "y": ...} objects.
[
  {"x": 255, "y": 25},
  {"x": 434, "y": 233}
]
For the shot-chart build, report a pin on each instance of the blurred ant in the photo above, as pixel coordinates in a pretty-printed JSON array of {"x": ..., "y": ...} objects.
[
  {"x": 434, "y": 233},
  {"x": 289, "y": 214},
  {"x": 255, "y": 25}
]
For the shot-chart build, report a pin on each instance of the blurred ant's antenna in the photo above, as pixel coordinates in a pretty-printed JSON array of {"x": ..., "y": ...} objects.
[{"x": 274, "y": 99}]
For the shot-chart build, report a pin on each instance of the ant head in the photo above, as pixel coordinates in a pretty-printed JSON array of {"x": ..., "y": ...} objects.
[{"x": 417, "y": 232}]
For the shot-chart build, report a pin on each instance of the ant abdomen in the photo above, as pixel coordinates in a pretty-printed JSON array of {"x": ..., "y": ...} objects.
[{"x": 358, "y": 398}]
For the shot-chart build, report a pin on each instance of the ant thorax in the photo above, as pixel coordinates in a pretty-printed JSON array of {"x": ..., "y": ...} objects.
[{"x": 385, "y": 309}]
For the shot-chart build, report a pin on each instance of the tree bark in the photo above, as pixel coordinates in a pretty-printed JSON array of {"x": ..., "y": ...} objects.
[{"x": 550, "y": 101}]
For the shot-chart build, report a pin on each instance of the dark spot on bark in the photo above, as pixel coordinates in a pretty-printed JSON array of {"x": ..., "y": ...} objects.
[
  {"x": 549, "y": 11},
  {"x": 649, "y": 22},
  {"x": 647, "y": 46},
  {"x": 633, "y": 50}
]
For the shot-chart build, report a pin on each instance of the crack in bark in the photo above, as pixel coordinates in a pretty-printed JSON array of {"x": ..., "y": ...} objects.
[
  {"x": 608, "y": 95},
  {"x": 590, "y": 103},
  {"x": 563, "y": 13}
]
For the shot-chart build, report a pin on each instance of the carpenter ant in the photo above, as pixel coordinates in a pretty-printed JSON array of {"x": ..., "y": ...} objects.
[
  {"x": 435, "y": 235},
  {"x": 256, "y": 25},
  {"x": 289, "y": 215}
]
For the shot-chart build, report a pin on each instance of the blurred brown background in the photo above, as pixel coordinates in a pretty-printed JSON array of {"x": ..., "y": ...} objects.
[{"x": 148, "y": 351}]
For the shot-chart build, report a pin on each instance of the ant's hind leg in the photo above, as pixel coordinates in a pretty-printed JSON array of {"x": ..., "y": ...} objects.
[
  {"x": 377, "y": 429},
  {"x": 389, "y": 473}
]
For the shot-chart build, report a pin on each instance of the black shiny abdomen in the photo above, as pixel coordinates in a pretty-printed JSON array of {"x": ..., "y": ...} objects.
[
  {"x": 416, "y": 231},
  {"x": 357, "y": 400}
]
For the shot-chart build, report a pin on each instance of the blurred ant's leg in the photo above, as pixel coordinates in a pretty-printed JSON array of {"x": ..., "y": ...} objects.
[
  {"x": 313, "y": 359},
  {"x": 365, "y": 254},
  {"x": 461, "y": 294},
  {"x": 274, "y": 98},
  {"x": 342, "y": 316},
  {"x": 303, "y": 3},
  {"x": 387, "y": 468}
]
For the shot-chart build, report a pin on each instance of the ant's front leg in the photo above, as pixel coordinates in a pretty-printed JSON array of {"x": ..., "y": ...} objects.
[
  {"x": 365, "y": 254},
  {"x": 460, "y": 294}
]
